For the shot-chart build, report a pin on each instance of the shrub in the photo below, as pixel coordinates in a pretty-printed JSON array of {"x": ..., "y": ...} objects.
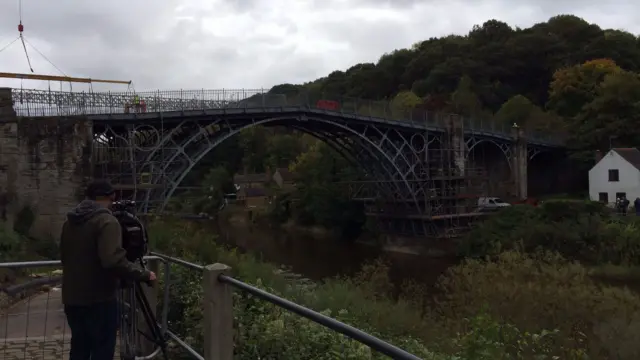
[
  {"x": 11, "y": 244},
  {"x": 545, "y": 291},
  {"x": 487, "y": 339},
  {"x": 267, "y": 332},
  {"x": 581, "y": 230},
  {"x": 24, "y": 220}
]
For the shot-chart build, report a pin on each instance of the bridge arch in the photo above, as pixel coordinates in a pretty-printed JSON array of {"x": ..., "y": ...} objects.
[
  {"x": 480, "y": 145},
  {"x": 379, "y": 152},
  {"x": 493, "y": 158},
  {"x": 544, "y": 170}
]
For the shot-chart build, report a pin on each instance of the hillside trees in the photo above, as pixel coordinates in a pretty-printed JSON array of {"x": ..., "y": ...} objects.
[
  {"x": 599, "y": 102},
  {"x": 544, "y": 77}
]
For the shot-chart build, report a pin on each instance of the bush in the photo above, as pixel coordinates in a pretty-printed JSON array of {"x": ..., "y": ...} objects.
[
  {"x": 12, "y": 245},
  {"x": 488, "y": 339},
  {"x": 581, "y": 230},
  {"x": 267, "y": 332},
  {"x": 545, "y": 291}
]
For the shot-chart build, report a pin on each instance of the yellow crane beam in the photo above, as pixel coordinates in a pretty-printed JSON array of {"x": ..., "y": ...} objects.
[{"x": 60, "y": 78}]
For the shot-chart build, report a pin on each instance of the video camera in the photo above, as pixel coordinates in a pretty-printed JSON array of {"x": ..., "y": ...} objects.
[{"x": 134, "y": 235}]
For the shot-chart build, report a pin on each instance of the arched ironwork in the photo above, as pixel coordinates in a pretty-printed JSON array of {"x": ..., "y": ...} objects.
[
  {"x": 384, "y": 154},
  {"x": 504, "y": 147}
]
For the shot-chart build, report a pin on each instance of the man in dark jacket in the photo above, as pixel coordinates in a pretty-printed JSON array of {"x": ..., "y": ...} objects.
[{"x": 93, "y": 260}]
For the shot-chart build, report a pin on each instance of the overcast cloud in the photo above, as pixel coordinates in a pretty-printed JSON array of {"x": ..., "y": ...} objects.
[{"x": 193, "y": 44}]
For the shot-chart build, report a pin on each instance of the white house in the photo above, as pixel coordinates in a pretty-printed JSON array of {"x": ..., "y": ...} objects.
[{"x": 614, "y": 175}]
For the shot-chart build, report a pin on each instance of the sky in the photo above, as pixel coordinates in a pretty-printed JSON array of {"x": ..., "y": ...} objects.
[{"x": 248, "y": 44}]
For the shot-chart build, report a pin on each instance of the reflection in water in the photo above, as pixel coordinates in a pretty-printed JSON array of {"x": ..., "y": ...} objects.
[{"x": 316, "y": 258}]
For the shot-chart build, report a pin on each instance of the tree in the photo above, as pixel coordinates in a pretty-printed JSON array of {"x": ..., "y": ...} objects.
[
  {"x": 210, "y": 198},
  {"x": 464, "y": 101},
  {"x": 403, "y": 103},
  {"x": 612, "y": 115},
  {"x": 517, "y": 110},
  {"x": 492, "y": 31},
  {"x": 521, "y": 111},
  {"x": 282, "y": 150},
  {"x": 574, "y": 87},
  {"x": 322, "y": 198},
  {"x": 253, "y": 142}
]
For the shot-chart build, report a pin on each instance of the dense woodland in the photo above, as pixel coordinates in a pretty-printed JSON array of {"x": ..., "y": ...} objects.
[{"x": 564, "y": 76}]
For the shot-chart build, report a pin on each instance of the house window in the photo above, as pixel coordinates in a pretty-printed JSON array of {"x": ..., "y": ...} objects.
[
  {"x": 603, "y": 197},
  {"x": 621, "y": 195},
  {"x": 614, "y": 175}
]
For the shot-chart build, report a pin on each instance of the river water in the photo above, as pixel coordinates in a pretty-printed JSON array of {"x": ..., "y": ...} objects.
[{"x": 318, "y": 257}]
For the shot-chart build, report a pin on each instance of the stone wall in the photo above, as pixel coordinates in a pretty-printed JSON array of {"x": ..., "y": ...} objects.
[{"x": 42, "y": 166}]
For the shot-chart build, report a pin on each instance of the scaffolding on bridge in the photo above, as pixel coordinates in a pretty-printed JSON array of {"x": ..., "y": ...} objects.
[
  {"x": 119, "y": 154},
  {"x": 140, "y": 158},
  {"x": 449, "y": 183}
]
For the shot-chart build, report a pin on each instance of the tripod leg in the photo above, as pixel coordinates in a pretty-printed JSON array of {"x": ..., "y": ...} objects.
[
  {"x": 151, "y": 321},
  {"x": 128, "y": 329}
]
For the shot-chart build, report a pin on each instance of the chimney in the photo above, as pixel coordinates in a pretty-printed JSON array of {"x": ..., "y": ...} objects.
[
  {"x": 598, "y": 156},
  {"x": 269, "y": 173}
]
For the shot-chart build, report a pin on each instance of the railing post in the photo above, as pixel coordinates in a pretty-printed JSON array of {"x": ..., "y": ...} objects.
[{"x": 218, "y": 314}]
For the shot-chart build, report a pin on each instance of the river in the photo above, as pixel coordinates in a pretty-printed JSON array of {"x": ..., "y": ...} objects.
[{"x": 318, "y": 257}]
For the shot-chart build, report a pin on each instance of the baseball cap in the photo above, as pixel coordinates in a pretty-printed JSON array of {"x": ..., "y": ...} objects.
[{"x": 98, "y": 188}]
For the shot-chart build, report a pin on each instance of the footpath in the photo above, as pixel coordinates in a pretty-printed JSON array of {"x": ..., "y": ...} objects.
[{"x": 35, "y": 328}]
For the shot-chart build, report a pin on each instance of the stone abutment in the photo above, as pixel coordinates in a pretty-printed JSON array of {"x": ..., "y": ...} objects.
[{"x": 43, "y": 166}]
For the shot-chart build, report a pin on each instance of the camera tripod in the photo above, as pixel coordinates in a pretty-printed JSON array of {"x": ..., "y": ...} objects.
[{"x": 133, "y": 301}]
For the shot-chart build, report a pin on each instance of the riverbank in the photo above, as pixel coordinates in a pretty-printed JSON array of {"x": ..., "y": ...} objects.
[
  {"x": 319, "y": 255},
  {"x": 238, "y": 218},
  {"x": 537, "y": 303}
]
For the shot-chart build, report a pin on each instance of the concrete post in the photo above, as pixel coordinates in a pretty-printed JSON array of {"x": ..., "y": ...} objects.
[
  {"x": 218, "y": 314},
  {"x": 519, "y": 163}
]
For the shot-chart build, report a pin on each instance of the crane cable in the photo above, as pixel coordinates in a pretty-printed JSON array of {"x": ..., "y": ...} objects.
[
  {"x": 26, "y": 42},
  {"x": 9, "y": 44},
  {"x": 20, "y": 30}
]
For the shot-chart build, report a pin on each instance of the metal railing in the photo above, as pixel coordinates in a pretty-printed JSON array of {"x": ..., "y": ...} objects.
[
  {"x": 33, "y": 325},
  {"x": 28, "y": 102}
]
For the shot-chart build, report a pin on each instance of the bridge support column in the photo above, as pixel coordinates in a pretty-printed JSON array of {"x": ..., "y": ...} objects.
[
  {"x": 457, "y": 146},
  {"x": 218, "y": 314},
  {"x": 519, "y": 163}
]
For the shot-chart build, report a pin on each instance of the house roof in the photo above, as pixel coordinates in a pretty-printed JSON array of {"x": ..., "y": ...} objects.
[
  {"x": 247, "y": 178},
  {"x": 632, "y": 155},
  {"x": 255, "y": 192},
  {"x": 286, "y": 174}
]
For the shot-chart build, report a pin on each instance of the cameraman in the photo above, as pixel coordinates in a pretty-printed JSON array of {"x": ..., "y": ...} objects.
[{"x": 93, "y": 260}]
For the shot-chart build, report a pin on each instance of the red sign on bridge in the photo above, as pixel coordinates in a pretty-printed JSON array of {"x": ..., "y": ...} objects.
[{"x": 328, "y": 105}]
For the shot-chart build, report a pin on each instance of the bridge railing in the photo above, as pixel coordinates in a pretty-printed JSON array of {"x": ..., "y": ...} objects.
[
  {"x": 58, "y": 103},
  {"x": 33, "y": 324}
]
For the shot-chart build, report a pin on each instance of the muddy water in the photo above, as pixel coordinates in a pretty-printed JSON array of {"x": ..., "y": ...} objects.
[{"x": 320, "y": 256}]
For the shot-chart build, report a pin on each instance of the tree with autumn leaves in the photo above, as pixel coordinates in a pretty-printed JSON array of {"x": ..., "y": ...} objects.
[{"x": 600, "y": 105}]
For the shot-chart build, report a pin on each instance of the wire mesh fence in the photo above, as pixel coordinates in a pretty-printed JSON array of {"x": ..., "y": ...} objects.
[
  {"x": 33, "y": 323},
  {"x": 32, "y": 320},
  {"x": 58, "y": 103}
]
